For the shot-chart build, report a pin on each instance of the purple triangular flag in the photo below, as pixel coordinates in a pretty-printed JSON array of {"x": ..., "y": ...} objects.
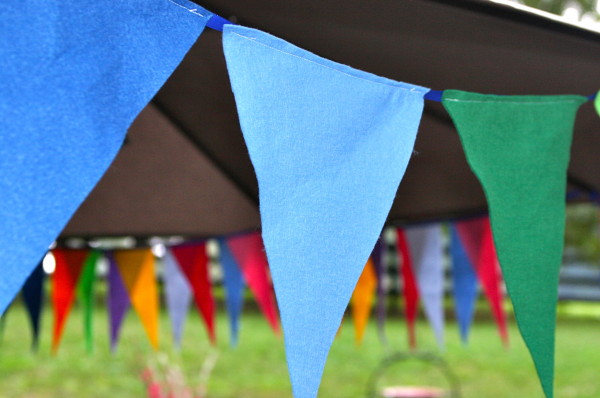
[{"x": 118, "y": 301}]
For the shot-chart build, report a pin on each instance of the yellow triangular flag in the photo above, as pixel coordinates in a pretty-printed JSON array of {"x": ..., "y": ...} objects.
[
  {"x": 362, "y": 300},
  {"x": 137, "y": 271}
]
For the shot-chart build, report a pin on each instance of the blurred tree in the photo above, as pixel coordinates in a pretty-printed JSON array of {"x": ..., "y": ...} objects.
[
  {"x": 585, "y": 8},
  {"x": 582, "y": 234}
]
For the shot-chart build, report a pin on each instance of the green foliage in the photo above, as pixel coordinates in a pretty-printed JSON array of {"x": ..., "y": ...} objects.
[
  {"x": 557, "y": 6},
  {"x": 582, "y": 234}
]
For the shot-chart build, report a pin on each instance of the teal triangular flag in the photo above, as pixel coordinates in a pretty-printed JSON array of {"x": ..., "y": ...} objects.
[
  {"x": 518, "y": 146},
  {"x": 73, "y": 76},
  {"x": 329, "y": 145}
]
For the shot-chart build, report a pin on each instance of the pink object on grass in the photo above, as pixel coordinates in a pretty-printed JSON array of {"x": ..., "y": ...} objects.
[{"x": 413, "y": 392}]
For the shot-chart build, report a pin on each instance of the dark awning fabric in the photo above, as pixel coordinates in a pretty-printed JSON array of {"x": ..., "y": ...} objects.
[{"x": 204, "y": 184}]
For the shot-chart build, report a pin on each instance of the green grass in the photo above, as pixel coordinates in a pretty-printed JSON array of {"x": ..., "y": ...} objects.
[{"x": 256, "y": 367}]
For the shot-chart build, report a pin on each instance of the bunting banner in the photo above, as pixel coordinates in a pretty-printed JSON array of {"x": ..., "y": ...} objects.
[
  {"x": 464, "y": 284},
  {"x": 86, "y": 294},
  {"x": 69, "y": 264},
  {"x": 33, "y": 297},
  {"x": 476, "y": 237},
  {"x": 234, "y": 287},
  {"x": 409, "y": 291},
  {"x": 69, "y": 89},
  {"x": 426, "y": 248},
  {"x": 118, "y": 301},
  {"x": 362, "y": 300},
  {"x": 178, "y": 295},
  {"x": 352, "y": 134},
  {"x": 518, "y": 146},
  {"x": 136, "y": 267},
  {"x": 597, "y": 103},
  {"x": 249, "y": 252},
  {"x": 193, "y": 262}
]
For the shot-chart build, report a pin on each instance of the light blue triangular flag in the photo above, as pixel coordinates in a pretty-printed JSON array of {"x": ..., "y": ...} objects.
[
  {"x": 329, "y": 145},
  {"x": 425, "y": 242},
  {"x": 178, "y": 295},
  {"x": 73, "y": 76},
  {"x": 234, "y": 286},
  {"x": 464, "y": 284}
]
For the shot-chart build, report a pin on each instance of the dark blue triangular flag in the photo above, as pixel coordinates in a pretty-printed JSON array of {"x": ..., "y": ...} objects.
[
  {"x": 464, "y": 280},
  {"x": 234, "y": 286},
  {"x": 33, "y": 296}
]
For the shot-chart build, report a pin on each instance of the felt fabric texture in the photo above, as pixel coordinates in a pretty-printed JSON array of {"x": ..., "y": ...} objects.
[
  {"x": 33, "y": 296},
  {"x": 410, "y": 291},
  {"x": 329, "y": 145},
  {"x": 136, "y": 267},
  {"x": 234, "y": 288},
  {"x": 476, "y": 238},
  {"x": 362, "y": 300},
  {"x": 85, "y": 290},
  {"x": 178, "y": 296},
  {"x": 69, "y": 264},
  {"x": 464, "y": 285},
  {"x": 249, "y": 253},
  {"x": 193, "y": 262},
  {"x": 69, "y": 89},
  {"x": 427, "y": 251},
  {"x": 118, "y": 301},
  {"x": 519, "y": 146}
]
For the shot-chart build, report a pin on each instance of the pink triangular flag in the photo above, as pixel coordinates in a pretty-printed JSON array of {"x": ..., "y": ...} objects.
[
  {"x": 476, "y": 236},
  {"x": 249, "y": 253}
]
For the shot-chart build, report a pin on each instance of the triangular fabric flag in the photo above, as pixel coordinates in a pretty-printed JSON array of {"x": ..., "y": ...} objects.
[
  {"x": 69, "y": 264},
  {"x": 329, "y": 145},
  {"x": 234, "y": 287},
  {"x": 118, "y": 301},
  {"x": 427, "y": 251},
  {"x": 69, "y": 89},
  {"x": 193, "y": 261},
  {"x": 86, "y": 294},
  {"x": 136, "y": 267},
  {"x": 381, "y": 308},
  {"x": 597, "y": 103},
  {"x": 362, "y": 300},
  {"x": 410, "y": 291},
  {"x": 464, "y": 283},
  {"x": 33, "y": 296},
  {"x": 249, "y": 252},
  {"x": 476, "y": 238},
  {"x": 178, "y": 295},
  {"x": 519, "y": 146}
]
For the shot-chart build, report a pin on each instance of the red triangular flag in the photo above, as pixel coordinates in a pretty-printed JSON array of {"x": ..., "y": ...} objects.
[
  {"x": 410, "y": 292},
  {"x": 69, "y": 264},
  {"x": 193, "y": 261},
  {"x": 249, "y": 253},
  {"x": 478, "y": 242}
]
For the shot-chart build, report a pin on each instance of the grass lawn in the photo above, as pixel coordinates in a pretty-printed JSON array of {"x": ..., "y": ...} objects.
[{"x": 256, "y": 367}]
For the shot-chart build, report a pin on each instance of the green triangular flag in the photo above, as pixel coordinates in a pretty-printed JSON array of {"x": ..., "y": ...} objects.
[
  {"x": 518, "y": 146},
  {"x": 86, "y": 294},
  {"x": 597, "y": 103}
]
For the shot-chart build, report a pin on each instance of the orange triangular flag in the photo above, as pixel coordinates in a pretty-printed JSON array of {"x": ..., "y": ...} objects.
[
  {"x": 362, "y": 300},
  {"x": 69, "y": 264},
  {"x": 137, "y": 271}
]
